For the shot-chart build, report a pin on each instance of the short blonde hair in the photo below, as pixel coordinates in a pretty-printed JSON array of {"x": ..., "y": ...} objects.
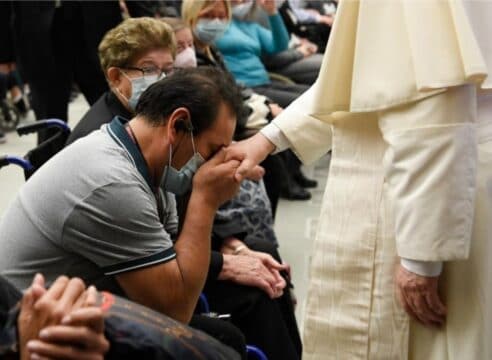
[
  {"x": 132, "y": 38},
  {"x": 191, "y": 8}
]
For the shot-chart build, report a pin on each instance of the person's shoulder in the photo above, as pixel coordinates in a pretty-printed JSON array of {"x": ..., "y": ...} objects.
[
  {"x": 250, "y": 28},
  {"x": 241, "y": 25},
  {"x": 98, "y": 109},
  {"x": 246, "y": 23},
  {"x": 98, "y": 155},
  {"x": 124, "y": 202},
  {"x": 98, "y": 114}
]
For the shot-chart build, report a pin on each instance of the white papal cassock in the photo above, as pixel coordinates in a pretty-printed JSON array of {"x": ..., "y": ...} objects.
[{"x": 404, "y": 102}]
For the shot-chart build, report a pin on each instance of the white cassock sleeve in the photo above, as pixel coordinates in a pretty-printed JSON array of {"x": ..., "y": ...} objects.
[
  {"x": 430, "y": 171},
  {"x": 273, "y": 133},
  {"x": 302, "y": 130}
]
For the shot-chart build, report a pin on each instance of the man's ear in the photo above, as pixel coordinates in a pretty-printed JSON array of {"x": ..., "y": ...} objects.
[
  {"x": 180, "y": 120},
  {"x": 113, "y": 74},
  {"x": 175, "y": 124}
]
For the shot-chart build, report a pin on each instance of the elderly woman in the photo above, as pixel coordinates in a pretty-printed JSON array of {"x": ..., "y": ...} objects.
[{"x": 146, "y": 55}]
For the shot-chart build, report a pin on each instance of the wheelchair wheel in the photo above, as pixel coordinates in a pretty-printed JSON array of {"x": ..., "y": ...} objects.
[{"x": 9, "y": 115}]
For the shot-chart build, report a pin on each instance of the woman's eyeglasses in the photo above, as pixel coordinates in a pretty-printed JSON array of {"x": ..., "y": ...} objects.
[{"x": 151, "y": 72}]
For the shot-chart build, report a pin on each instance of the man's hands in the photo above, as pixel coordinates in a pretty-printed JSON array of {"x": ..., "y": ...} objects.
[
  {"x": 214, "y": 181},
  {"x": 249, "y": 153},
  {"x": 217, "y": 180},
  {"x": 419, "y": 297},
  {"x": 64, "y": 319}
]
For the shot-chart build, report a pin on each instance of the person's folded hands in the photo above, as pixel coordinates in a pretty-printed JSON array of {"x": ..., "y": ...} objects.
[{"x": 61, "y": 322}]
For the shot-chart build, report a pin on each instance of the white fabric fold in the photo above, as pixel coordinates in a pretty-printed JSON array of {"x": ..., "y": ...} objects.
[
  {"x": 277, "y": 137},
  {"x": 423, "y": 268},
  {"x": 430, "y": 169},
  {"x": 308, "y": 133},
  {"x": 383, "y": 53}
]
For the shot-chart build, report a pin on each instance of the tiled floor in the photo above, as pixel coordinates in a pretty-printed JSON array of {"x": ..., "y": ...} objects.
[{"x": 295, "y": 224}]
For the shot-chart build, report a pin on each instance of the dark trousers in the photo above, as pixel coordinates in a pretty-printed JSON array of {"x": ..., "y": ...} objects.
[
  {"x": 221, "y": 330},
  {"x": 3, "y": 85},
  {"x": 274, "y": 179},
  {"x": 280, "y": 173},
  {"x": 292, "y": 163},
  {"x": 266, "y": 323},
  {"x": 70, "y": 59},
  {"x": 281, "y": 93},
  {"x": 304, "y": 71}
]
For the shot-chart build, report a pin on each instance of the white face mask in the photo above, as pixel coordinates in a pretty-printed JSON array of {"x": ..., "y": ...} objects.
[
  {"x": 242, "y": 10},
  {"x": 186, "y": 58}
]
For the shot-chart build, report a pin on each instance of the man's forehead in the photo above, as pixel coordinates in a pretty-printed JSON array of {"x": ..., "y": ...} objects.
[{"x": 219, "y": 134}]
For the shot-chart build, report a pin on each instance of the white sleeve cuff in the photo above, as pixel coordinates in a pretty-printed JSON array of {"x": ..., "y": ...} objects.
[
  {"x": 273, "y": 133},
  {"x": 422, "y": 268}
]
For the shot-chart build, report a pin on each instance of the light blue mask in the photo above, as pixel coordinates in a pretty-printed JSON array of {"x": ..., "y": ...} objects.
[
  {"x": 209, "y": 31},
  {"x": 242, "y": 10},
  {"x": 139, "y": 85},
  {"x": 179, "y": 182}
]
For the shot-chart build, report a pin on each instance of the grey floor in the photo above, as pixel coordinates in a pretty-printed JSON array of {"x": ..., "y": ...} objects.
[{"x": 295, "y": 224}]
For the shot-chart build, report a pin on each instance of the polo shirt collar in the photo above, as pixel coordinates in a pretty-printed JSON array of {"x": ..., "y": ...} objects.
[{"x": 116, "y": 129}]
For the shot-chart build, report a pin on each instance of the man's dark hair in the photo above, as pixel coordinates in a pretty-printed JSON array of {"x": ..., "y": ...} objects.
[{"x": 201, "y": 90}]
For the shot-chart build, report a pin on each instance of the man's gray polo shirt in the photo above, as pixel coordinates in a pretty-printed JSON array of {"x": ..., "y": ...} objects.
[{"x": 88, "y": 212}]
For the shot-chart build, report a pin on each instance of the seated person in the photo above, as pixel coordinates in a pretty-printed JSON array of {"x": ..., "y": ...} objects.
[
  {"x": 104, "y": 220},
  {"x": 250, "y": 208},
  {"x": 68, "y": 321},
  {"x": 235, "y": 268},
  {"x": 242, "y": 44},
  {"x": 309, "y": 19},
  {"x": 299, "y": 63},
  {"x": 154, "y": 44},
  {"x": 208, "y": 20},
  {"x": 146, "y": 44},
  {"x": 243, "y": 228}
]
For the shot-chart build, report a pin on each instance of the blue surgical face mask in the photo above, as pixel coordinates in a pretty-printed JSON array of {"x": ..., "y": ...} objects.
[
  {"x": 179, "y": 182},
  {"x": 209, "y": 31},
  {"x": 242, "y": 10},
  {"x": 139, "y": 85}
]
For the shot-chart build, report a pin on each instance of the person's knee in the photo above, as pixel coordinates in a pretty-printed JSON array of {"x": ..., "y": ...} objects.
[{"x": 266, "y": 247}]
